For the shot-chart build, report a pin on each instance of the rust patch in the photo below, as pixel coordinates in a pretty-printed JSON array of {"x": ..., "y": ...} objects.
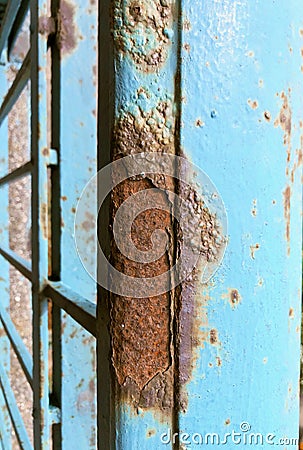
[
  {"x": 199, "y": 123},
  {"x": 287, "y": 196},
  {"x": 252, "y": 103},
  {"x": 143, "y": 30},
  {"x": 227, "y": 422},
  {"x": 44, "y": 220},
  {"x": 67, "y": 31},
  {"x": 253, "y": 249},
  {"x": 47, "y": 25},
  {"x": 233, "y": 297},
  {"x": 291, "y": 313},
  {"x": 186, "y": 25},
  {"x": 284, "y": 121},
  {"x": 151, "y": 432},
  {"x": 141, "y": 328},
  {"x": 219, "y": 361},
  {"x": 213, "y": 337},
  {"x": 267, "y": 116},
  {"x": 186, "y": 47}
]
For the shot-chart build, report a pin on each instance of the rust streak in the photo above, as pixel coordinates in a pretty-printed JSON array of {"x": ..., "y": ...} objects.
[{"x": 287, "y": 197}]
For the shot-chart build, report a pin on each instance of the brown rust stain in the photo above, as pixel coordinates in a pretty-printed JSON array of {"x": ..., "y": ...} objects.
[
  {"x": 253, "y": 249},
  {"x": 44, "y": 220},
  {"x": 284, "y": 120},
  {"x": 213, "y": 337},
  {"x": 233, "y": 296},
  {"x": 267, "y": 116},
  {"x": 67, "y": 36},
  {"x": 291, "y": 313},
  {"x": 142, "y": 330},
  {"x": 253, "y": 103},
  {"x": 47, "y": 26},
  {"x": 287, "y": 197},
  {"x": 141, "y": 327},
  {"x": 199, "y": 123}
]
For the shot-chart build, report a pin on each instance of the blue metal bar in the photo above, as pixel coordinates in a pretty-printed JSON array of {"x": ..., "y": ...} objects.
[
  {"x": 14, "y": 412},
  {"x": 18, "y": 345},
  {"x": 79, "y": 308},
  {"x": 78, "y": 156},
  {"x": 17, "y": 173},
  {"x": 40, "y": 232},
  {"x": 8, "y": 21},
  {"x": 18, "y": 262},
  {"x": 17, "y": 87},
  {"x": 5, "y": 423}
]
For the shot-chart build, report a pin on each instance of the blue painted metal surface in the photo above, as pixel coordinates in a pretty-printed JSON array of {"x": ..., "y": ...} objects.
[
  {"x": 4, "y": 270},
  {"x": 40, "y": 230},
  {"x": 240, "y": 103},
  {"x": 241, "y": 76},
  {"x": 219, "y": 83},
  {"x": 78, "y": 163}
]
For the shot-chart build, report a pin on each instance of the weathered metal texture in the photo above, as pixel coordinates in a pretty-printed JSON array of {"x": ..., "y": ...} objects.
[
  {"x": 40, "y": 231},
  {"x": 77, "y": 41},
  {"x": 241, "y": 118},
  {"x": 5, "y": 425},
  {"x": 145, "y": 39}
]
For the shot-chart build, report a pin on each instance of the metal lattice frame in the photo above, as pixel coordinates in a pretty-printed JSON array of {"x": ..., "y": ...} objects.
[{"x": 73, "y": 315}]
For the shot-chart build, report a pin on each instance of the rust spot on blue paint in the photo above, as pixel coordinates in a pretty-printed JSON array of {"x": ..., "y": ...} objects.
[
  {"x": 287, "y": 197},
  {"x": 67, "y": 30}
]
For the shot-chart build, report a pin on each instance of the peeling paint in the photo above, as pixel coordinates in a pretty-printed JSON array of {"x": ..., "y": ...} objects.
[{"x": 143, "y": 31}]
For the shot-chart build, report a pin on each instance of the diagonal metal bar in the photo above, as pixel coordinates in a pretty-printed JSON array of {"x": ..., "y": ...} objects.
[
  {"x": 14, "y": 412},
  {"x": 20, "y": 349},
  {"x": 8, "y": 21},
  {"x": 19, "y": 263},
  {"x": 79, "y": 308},
  {"x": 17, "y": 87},
  {"x": 21, "y": 171},
  {"x": 20, "y": 17}
]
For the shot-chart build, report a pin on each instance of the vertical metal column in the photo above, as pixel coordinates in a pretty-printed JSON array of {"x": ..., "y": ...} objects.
[
  {"x": 5, "y": 436},
  {"x": 40, "y": 155},
  {"x": 77, "y": 40},
  {"x": 231, "y": 74}
]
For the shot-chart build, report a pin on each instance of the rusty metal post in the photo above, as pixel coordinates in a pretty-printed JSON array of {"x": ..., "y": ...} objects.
[{"x": 218, "y": 83}]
